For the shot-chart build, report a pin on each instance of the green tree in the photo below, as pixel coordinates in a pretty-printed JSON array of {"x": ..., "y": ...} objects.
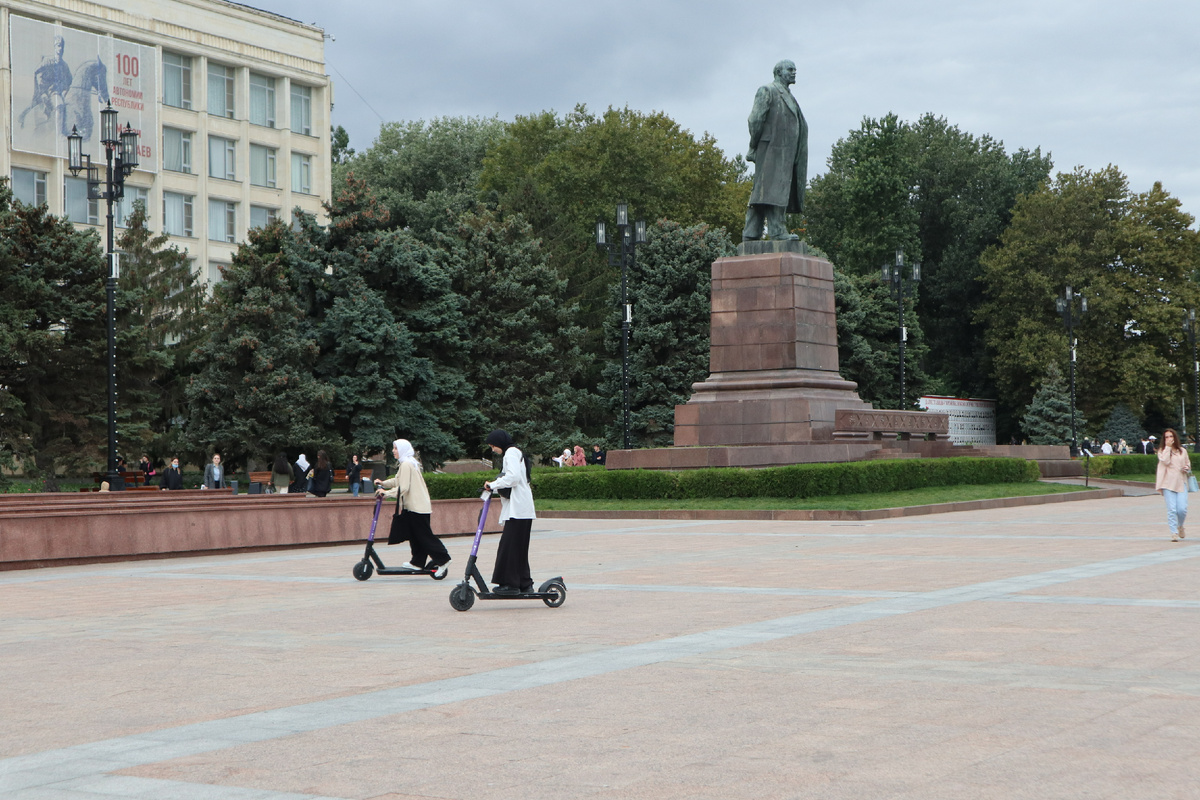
[
  {"x": 868, "y": 341},
  {"x": 562, "y": 173},
  {"x": 1121, "y": 424},
  {"x": 670, "y": 289},
  {"x": 52, "y": 342},
  {"x": 426, "y": 174},
  {"x": 1129, "y": 254},
  {"x": 159, "y": 303},
  {"x": 1047, "y": 418},
  {"x": 255, "y": 393},
  {"x": 425, "y": 393},
  {"x": 944, "y": 196},
  {"x": 523, "y": 336},
  {"x": 340, "y": 150}
]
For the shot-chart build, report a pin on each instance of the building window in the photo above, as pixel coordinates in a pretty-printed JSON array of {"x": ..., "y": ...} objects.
[
  {"x": 262, "y": 100},
  {"x": 177, "y": 150},
  {"x": 222, "y": 158},
  {"x": 177, "y": 214},
  {"x": 29, "y": 186},
  {"x": 301, "y": 173},
  {"x": 123, "y": 208},
  {"x": 215, "y": 274},
  {"x": 220, "y": 90},
  {"x": 222, "y": 221},
  {"x": 302, "y": 109},
  {"x": 262, "y": 166},
  {"x": 76, "y": 205},
  {"x": 261, "y": 216},
  {"x": 177, "y": 80}
]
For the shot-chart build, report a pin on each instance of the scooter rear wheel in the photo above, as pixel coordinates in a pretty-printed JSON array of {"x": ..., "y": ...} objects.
[
  {"x": 558, "y": 595},
  {"x": 363, "y": 570},
  {"x": 461, "y": 597}
]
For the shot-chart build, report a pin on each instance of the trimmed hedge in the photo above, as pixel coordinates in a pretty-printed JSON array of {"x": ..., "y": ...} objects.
[
  {"x": 800, "y": 480},
  {"x": 1132, "y": 464}
]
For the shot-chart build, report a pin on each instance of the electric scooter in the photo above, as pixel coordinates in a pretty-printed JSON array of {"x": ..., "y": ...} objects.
[
  {"x": 363, "y": 569},
  {"x": 553, "y": 592}
]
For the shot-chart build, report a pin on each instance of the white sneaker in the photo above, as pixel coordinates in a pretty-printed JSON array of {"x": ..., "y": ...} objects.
[
  {"x": 442, "y": 570},
  {"x": 409, "y": 565}
]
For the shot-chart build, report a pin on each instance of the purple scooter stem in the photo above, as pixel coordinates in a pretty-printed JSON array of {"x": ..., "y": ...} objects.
[
  {"x": 487, "y": 502},
  {"x": 375, "y": 519}
]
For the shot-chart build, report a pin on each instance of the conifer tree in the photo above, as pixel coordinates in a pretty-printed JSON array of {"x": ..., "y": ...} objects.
[
  {"x": 254, "y": 392},
  {"x": 669, "y": 287},
  {"x": 158, "y": 313},
  {"x": 523, "y": 336},
  {"x": 1047, "y": 419},
  {"x": 52, "y": 342},
  {"x": 1122, "y": 424}
]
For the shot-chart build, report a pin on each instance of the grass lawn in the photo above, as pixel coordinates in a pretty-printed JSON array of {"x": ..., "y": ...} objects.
[
  {"x": 849, "y": 502},
  {"x": 1148, "y": 477}
]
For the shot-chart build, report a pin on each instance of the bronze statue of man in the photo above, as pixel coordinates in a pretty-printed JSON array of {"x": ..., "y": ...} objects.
[{"x": 779, "y": 151}]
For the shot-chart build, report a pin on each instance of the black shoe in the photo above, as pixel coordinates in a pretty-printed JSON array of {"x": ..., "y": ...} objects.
[{"x": 505, "y": 590}]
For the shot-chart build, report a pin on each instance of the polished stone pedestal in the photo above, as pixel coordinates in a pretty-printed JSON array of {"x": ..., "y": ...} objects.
[{"x": 773, "y": 358}]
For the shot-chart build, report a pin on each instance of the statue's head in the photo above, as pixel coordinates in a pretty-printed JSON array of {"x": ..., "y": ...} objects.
[
  {"x": 785, "y": 71},
  {"x": 59, "y": 45}
]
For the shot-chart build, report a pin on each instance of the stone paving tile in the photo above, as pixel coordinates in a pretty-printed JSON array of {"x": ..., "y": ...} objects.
[{"x": 963, "y": 694}]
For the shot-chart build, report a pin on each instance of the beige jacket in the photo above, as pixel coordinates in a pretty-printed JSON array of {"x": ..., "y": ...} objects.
[
  {"x": 409, "y": 484},
  {"x": 1173, "y": 469}
]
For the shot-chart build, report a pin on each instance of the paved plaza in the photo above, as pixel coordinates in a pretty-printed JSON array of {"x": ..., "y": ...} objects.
[{"x": 1042, "y": 652}]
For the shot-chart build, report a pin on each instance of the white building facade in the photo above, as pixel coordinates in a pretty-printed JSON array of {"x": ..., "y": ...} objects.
[{"x": 232, "y": 104}]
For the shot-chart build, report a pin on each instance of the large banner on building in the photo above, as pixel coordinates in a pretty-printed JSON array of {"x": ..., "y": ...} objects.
[
  {"x": 971, "y": 421},
  {"x": 62, "y": 77}
]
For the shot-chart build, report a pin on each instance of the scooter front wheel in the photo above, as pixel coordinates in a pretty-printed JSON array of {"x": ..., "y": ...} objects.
[
  {"x": 363, "y": 570},
  {"x": 557, "y": 592},
  {"x": 462, "y": 598}
]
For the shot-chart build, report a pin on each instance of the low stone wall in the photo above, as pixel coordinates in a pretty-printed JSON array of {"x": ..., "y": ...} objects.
[{"x": 40, "y": 530}]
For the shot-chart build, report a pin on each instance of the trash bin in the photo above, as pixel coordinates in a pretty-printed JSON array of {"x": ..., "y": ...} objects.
[{"x": 234, "y": 486}]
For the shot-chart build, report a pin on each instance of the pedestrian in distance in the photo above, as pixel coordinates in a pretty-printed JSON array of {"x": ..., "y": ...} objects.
[
  {"x": 322, "y": 475},
  {"x": 598, "y": 455},
  {"x": 281, "y": 474},
  {"x": 354, "y": 474},
  {"x": 1106, "y": 448},
  {"x": 300, "y": 472},
  {"x": 414, "y": 510},
  {"x": 579, "y": 459},
  {"x": 517, "y": 514},
  {"x": 214, "y": 474},
  {"x": 172, "y": 477},
  {"x": 1122, "y": 447},
  {"x": 1171, "y": 481},
  {"x": 147, "y": 468},
  {"x": 1146, "y": 446}
]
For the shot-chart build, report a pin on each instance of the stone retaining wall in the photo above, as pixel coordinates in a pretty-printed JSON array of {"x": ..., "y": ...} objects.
[{"x": 39, "y": 530}]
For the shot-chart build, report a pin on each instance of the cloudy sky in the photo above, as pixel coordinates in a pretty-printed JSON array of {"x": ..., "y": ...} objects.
[{"x": 1092, "y": 82}]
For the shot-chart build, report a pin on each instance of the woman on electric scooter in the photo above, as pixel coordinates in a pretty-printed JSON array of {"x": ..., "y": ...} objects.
[
  {"x": 516, "y": 514},
  {"x": 408, "y": 487}
]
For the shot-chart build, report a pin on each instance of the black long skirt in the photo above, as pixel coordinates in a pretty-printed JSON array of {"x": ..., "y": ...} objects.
[
  {"x": 424, "y": 545},
  {"x": 512, "y": 556}
]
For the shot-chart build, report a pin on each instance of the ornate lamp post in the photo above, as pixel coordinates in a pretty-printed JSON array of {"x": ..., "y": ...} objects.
[
  {"x": 621, "y": 253},
  {"x": 1189, "y": 326},
  {"x": 1066, "y": 307},
  {"x": 892, "y": 275},
  {"x": 120, "y": 153}
]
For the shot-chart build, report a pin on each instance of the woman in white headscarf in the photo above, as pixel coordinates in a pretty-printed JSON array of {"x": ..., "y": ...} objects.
[
  {"x": 413, "y": 512},
  {"x": 300, "y": 475}
]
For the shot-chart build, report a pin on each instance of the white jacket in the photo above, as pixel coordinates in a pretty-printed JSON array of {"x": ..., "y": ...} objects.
[{"x": 512, "y": 476}]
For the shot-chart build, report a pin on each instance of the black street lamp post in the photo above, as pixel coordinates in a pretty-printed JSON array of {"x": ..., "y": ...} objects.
[
  {"x": 120, "y": 153},
  {"x": 893, "y": 276},
  {"x": 621, "y": 253},
  {"x": 1189, "y": 325},
  {"x": 1065, "y": 306}
]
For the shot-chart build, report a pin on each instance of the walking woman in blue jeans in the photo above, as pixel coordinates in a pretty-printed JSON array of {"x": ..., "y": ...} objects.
[{"x": 1171, "y": 481}]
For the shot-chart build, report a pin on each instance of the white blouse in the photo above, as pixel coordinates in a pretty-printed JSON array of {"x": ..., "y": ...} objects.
[{"x": 520, "y": 504}]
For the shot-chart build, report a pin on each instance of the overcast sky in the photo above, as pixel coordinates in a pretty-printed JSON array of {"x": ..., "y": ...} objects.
[{"x": 1092, "y": 82}]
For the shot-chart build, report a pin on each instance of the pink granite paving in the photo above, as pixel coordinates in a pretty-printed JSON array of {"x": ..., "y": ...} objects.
[{"x": 1086, "y": 687}]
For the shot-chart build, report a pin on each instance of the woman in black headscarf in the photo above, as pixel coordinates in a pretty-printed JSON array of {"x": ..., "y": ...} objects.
[{"x": 516, "y": 514}]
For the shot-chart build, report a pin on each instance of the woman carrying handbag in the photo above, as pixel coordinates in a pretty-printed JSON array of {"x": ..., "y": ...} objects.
[
  {"x": 1173, "y": 481},
  {"x": 413, "y": 512}
]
